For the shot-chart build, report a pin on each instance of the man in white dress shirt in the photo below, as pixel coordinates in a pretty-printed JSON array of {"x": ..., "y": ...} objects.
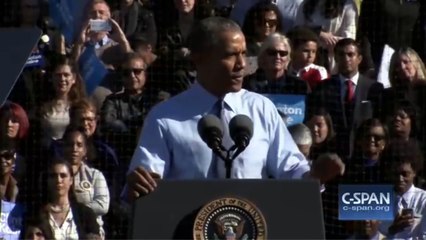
[
  {"x": 403, "y": 160},
  {"x": 170, "y": 146}
]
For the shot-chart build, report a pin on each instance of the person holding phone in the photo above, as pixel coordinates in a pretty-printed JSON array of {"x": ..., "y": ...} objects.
[
  {"x": 402, "y": 161},
  {"x": 103, "y": 32}
]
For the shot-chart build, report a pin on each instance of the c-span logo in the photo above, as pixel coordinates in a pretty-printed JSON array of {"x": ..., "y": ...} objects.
[
  {"x": 366, "y": 202},
  {"x": 230, "y": 219}
]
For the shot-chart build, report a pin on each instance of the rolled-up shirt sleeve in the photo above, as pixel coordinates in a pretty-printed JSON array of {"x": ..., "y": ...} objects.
[
  {"x": 284, "y": 157},
  {"x": 152, "y": 151}
]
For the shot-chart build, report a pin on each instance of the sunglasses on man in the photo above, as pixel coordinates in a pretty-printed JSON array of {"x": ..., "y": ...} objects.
[{"x": 129, "y": 71}]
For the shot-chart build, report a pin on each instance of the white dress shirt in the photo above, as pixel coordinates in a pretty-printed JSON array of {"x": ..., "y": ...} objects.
[
  {"x": 68, "y": 229},
  {"x": 415, "y": 198},
  {"x": 171, "y": 146},
  {"x": 354, "y": 81}
]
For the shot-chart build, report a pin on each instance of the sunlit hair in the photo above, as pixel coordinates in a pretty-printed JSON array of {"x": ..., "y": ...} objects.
[
  {"x": 301, "y": 134},
  {"x": 13, "y": 111},
  {"x": 414, "y": 58},
  {"x": 270, "y": 42},
  {"x": 80, "y": 107},
  {"x": 94, "y": 2},
  {"x": 128, "y": 57}
]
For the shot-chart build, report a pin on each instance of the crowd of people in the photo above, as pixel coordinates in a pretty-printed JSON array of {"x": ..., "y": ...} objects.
[{"x": 72, "y": 158}]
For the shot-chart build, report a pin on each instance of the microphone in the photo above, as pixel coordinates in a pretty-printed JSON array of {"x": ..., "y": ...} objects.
[
  {"x": 241, "y": 131},
  {"x": 210, "y": 130}
]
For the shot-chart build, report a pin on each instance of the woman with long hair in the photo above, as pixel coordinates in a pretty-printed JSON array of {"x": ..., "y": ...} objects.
[
  {"x": 62, "y": 217},
  {"x": 262, "y": 20},
  {"x": 67, "y": 88}
]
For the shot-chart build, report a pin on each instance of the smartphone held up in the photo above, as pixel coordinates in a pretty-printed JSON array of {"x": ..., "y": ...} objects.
[{"x": 99, "y": 25}]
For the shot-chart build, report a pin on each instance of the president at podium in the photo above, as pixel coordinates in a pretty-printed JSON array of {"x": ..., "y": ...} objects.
[{"x": 172, "y": 144}]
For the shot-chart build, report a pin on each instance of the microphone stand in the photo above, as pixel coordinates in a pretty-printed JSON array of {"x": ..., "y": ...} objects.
[{"x": 229, "y": 158}]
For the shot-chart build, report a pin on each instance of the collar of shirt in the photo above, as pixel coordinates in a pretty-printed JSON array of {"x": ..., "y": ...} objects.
[
  {"x": 206, "y": 100},
  {"x": 104, "y": 40},
  {"x": 408, "y": 195},
  {"x": 354, "y": 79}
]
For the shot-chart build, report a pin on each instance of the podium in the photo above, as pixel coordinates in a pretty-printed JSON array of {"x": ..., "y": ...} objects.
[{"x": 230, "y": 209}]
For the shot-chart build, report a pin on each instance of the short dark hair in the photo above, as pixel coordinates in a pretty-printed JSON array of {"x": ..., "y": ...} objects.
[
  {"x": 410, "y": 109},
  {"x": 131, "y": 56},
  {"x": 300, "y": 35},
  {"x": 367, "y": 125},
  {"x": 401, "y": 151},
  {"x": 205, "y": 33},
  {"x": 347, "y": 42},
  {"x": 139, "y": 40}
]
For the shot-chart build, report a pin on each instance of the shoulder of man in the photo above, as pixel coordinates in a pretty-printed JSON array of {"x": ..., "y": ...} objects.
[
  {"x": 171, "y": 105},
  {"x": 254, "y": 99}
]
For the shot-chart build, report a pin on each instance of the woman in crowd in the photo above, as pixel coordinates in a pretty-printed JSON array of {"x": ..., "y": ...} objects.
[
  {"x": 323, "y": 134},
  {"x": 84, "y": 114},
  {"x": 263, "y": 19},
  {"x": 14, "y": 126},
  {"x": 67, "y": 89},
  {"x": 8, "y": 184},
  {"x": 332, "y": 20},
  {"x": 90, "y": 187},
  {"x": 272, "y": 77},
  {"x": 403, "y": 121},
  {"x": 371, "y": 139},
  {"x": 62, "y": 217},
  {"x": 14, "y": 122},
  {"x": 102, "y": 157},
  {"x": 407, "y": 76}
]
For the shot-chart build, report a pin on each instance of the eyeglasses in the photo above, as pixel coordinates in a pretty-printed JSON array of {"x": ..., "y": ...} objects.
[
  {"x": 376, "y": 137},
  {"x": 129, "y": 71},
  {"x": 274, "y": 52},
  {"x": 7, "y": 155},
  {"x": 89, "y": 119},
  {"x": 270, "y": 22}
]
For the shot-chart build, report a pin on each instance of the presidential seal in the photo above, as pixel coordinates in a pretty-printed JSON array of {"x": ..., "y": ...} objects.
[{"x": 229, "y": 219}]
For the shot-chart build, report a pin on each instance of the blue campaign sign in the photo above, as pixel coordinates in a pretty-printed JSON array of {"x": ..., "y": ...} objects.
[
  {"x": 36, "y": 59},
  {"x": 293, "y": 106},
  {"x": 11, "y": 220},
  {"x": 92, "y": 69},
  {"x": 366, "y": 202},
  {"x": 68, "y": 16}
]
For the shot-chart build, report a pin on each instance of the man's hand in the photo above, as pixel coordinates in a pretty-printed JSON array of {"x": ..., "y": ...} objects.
[
  {"x": 84, "y": 35},
  {"x": 141, "y": 182},
  {"x": 327, "y": 167},
  {"x": 400, "y": 222}
]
